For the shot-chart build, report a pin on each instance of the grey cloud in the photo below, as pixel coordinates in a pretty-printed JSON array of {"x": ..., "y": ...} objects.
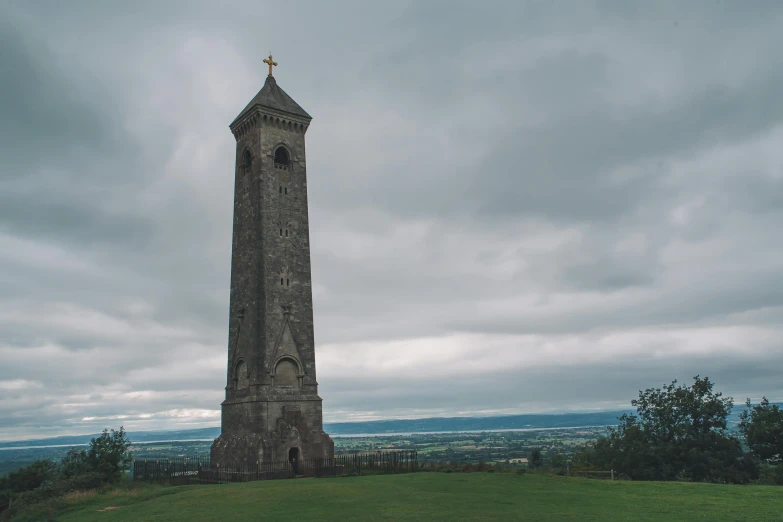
[
  {"x": 492, "y": 175},
  {"x": 48, "y": 116},
  {"x": 613, "y": 385}
]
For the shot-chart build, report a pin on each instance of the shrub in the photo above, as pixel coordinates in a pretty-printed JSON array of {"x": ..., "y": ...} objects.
[
  {"x": 678, "y": 433},
  {"x": 74, "y": 463},
  {"x": 762, "y": 427},
  {"x": 536, "y": 459},
  {"x": 771, "y": 475},
  {"x": 558, "y": 464},
  {"x": 53, "y": 489},
  {"x": 29, "y": 477},
  {"x": 109, "y": 454},
  {"x": 41, "y": 482},
  {"x": 5, "y": 498}
]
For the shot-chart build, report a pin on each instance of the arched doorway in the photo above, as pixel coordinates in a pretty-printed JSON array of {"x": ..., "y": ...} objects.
[{"x": 293, "y": 458}]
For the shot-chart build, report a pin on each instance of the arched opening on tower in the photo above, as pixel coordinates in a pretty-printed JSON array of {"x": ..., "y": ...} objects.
[
  {"x": 281, "y": 157},
  {"x": 247, "y": 160},
  {"x": 240, "y": 375},
  {"x": 287, "y": 373},
  {"x": 293, "y": 458}
]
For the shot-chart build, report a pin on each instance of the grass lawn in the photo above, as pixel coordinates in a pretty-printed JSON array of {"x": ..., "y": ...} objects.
[{"x": 436, "y": 496}]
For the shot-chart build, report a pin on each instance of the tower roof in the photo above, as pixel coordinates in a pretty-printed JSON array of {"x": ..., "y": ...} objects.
[{"x": 273, "y": 97}]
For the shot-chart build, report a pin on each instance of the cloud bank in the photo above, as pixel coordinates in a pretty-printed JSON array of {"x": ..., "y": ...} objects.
[{"x": 516, "y": 207}]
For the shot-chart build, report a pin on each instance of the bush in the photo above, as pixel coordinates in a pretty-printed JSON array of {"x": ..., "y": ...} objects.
[
  {"x": 87, "y": 481},
  {"x": 74, "y": 463},
  {"x": 80, "y": 470},
  {"x": 678, "y": 433},
  {"x": 762, "y": 427},
  {"x": 29, "y": 477},
  {"x": 558, "y": 464},
  {"x": 53, "y": 489},
  {"x": 771, "y": 475},
  {"x": 536, "y": 459},
  {"x": 109, "y": 454}
]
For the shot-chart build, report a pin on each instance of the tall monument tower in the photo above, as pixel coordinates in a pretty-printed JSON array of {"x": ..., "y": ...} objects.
[{"x": 272, "y": 411}]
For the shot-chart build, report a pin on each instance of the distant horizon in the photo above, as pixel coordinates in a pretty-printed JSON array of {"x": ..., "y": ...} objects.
[
  {"x": 168, "y": 430},
  {"x": 332, "y": 425},
  {"x": 366, "y": 419}
]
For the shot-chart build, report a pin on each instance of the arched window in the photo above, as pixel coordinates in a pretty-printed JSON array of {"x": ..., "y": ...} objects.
[
  {"x": 247, "y": 160},
  {"x": 287, "y": 373},
  {"x": 281, "y": 157},
  {"x": 240, "y": 375}
]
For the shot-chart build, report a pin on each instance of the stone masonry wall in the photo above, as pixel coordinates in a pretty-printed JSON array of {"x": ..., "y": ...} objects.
[{"x": 275, "y": 407}]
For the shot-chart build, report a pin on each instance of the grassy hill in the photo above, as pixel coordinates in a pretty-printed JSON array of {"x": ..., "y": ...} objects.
[{"x": 435, "y": 496}]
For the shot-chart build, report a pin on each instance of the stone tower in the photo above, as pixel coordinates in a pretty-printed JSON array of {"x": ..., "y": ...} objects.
[{"x": 272, "y": 411}]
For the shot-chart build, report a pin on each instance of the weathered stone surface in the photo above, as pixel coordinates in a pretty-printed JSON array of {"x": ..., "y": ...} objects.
[{"x": 272, "y": 411}]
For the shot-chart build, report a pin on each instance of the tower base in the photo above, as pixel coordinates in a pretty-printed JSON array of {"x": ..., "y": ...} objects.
[{"x": 271, "y": 431}]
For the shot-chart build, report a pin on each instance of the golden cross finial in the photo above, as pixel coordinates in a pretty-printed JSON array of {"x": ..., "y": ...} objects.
[{"x": 271, "y": 63}]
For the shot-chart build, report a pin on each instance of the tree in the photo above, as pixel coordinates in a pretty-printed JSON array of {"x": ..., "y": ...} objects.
[
  {"x": 536, "y": 459},
  {"x": 678, "y": 433},
  {"x": 29, "y": 477},
  {"x": 558, "y": 464},
  {"x": 110, "y": 453},
  {"x": 75, "y": 463},
  {"x": 762, "y": 427}
]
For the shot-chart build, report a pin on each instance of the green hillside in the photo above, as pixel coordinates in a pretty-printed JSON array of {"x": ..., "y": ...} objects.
[{"x": 437, "y": 496}]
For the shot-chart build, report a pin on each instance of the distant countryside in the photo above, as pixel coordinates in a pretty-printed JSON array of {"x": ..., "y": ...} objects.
[
  {"x": 442, "y": 448},
  {"x": 680, "y": 433}
]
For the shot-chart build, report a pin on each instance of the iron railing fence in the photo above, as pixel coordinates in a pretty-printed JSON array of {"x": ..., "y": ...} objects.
[
  {"x": 199, "y": 470},
  {"x": 594, "y": 474},
  {"x": 377, "y": 462},
  {"x": 172, "y": 470}
]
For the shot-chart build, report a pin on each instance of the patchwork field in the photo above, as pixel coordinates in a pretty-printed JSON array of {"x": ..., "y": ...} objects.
[
  {"x": 433, "y": 448},
  {"x": 435, "y": 496}
]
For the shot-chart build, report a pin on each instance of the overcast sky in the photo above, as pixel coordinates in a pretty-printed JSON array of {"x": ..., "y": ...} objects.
[{"x": 515, "y": 207}]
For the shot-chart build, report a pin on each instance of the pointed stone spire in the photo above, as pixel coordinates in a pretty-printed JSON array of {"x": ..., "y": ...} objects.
[{"x": 273, "y": 97}]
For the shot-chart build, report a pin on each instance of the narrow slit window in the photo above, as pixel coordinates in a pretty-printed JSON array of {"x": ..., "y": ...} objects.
[
  {"x": 281, "y": 189},
  {"x": 287, "y": 282},
  {"x": 286, "y": 232},
  {"x": 286, "y": 190},
  {"x": 281, "y": 281},
  {"x": 281, "y": 231}
]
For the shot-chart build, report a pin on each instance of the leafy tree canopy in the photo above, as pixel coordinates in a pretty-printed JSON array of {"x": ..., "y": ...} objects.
[
  {"x": 678, "y": 433},
  {"x": 536, "y": 458},
  {"x": 762, "y": 427},
  {"x": 29, "y": 477}
]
